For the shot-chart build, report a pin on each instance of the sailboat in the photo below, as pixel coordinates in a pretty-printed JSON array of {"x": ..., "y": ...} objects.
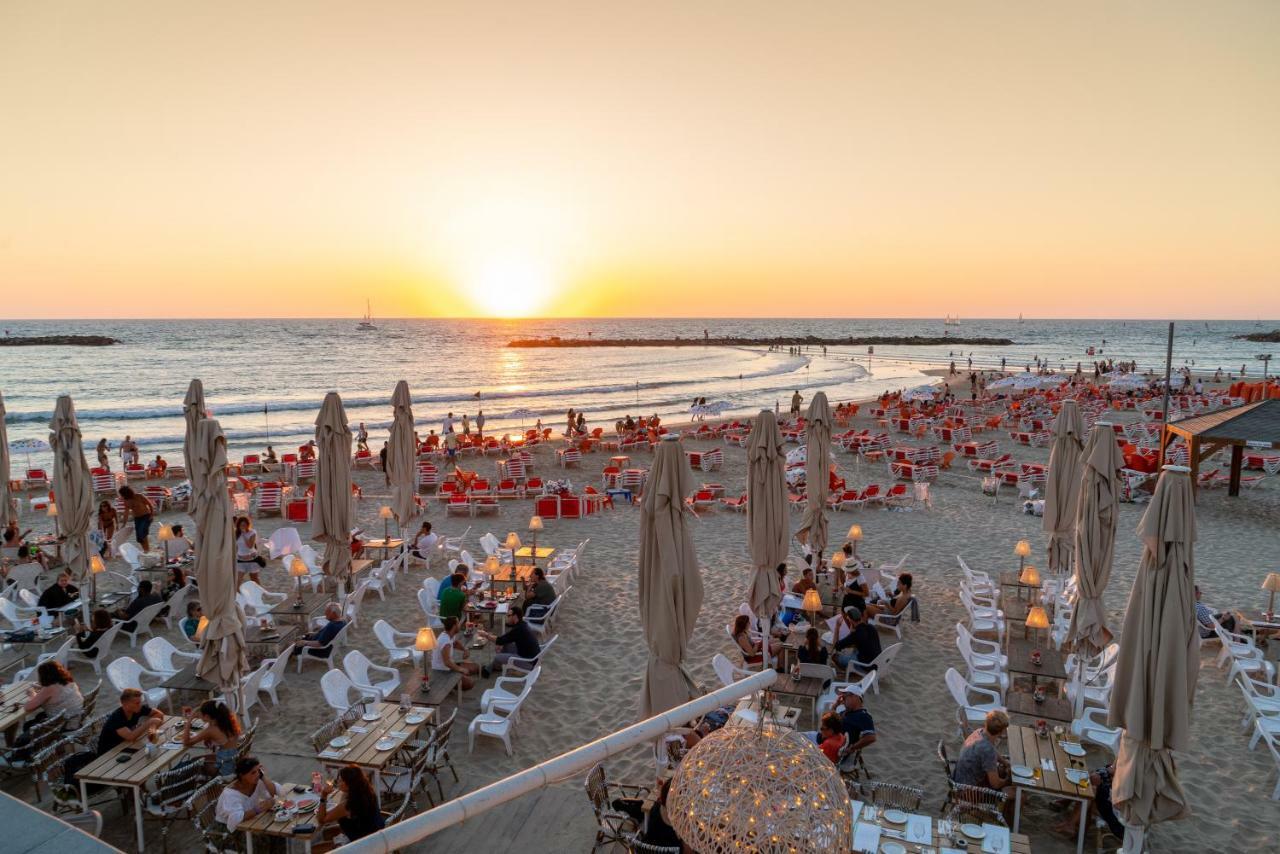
[
  {"x": 1019, "y": 317},
  {"x": 367, "y": 322},
  {"x": 951, "y": 320}
]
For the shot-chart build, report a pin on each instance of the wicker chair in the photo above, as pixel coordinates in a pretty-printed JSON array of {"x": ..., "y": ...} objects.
[
  {"x": 246, "y": 744},
  {"x": 202, "y": 806},
  {"x": 438, "y": 756},
  {"x": 320, "y": 738},
  {"x": 407, "y": 775},
  {"x": 612, "y": 826},
  {"x": 893, "y": 795},
  {"x": 90, "y": 702},
  {"x": 976, "y": 804},
  {"x": 36, "y": 738},
  {"x": 636, "y": 845},
  {"x": 171, "y": 794}
]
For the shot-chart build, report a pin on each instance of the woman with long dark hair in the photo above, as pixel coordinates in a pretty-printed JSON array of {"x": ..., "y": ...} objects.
[
  {"x": 221, "y": 733},
  {"x": 57, "y": 692},
  {"x": 358, "y": 814}
]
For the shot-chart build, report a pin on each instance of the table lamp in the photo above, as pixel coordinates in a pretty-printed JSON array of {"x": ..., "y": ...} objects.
[
  {"x": 1029, "y": 577},
  {"x": 425, "y": 643},
  {"x": 855, "y": 534},
  {"x": 200, "y": 627},
  {"x": 491, "y": 567},
  {"x": 52, "y": 512},
  {"x": 1037, "y": 619},
  {"x": 298, "y": 569},
  {"x": 837, "y": 563},
  {"x": 812, "y": 604},
  {"x": 384, "y": 512},
  {"x": 95, "y": 566},
  {"x": 1271, "y": 584},
  {"x": 165, "y": 536},
  {"x": 535, "y": 525},
  {"x": 1023, "y": 551},
  {"x": 512, "y": 543}
]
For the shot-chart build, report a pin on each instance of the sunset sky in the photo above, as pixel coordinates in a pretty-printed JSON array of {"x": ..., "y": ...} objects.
[{"x": 174, "y": 159}]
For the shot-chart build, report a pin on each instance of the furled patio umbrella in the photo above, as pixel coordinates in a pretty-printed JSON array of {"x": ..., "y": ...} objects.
[
  {"x": 670, "y": 583},
  {"x": 222, "y": 659},
  {"x": 766, "y": 517},
  {"x": 1063, "y": 485},
  {"x": 402, "y": 456},
  {"x": 72, "y": 486},
  {"x": 1155, "y": 678},
  {"x": 6, "y": 508},
  {"x": 333, "y": 486},
  {"x": 817, "y": 461},
  {"x": 194, "y": 411},
  {"x": 1097, "y": 512}
]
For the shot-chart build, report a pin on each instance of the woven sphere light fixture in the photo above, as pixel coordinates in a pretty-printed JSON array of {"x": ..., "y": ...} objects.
[{"x": 762, "y": 788}]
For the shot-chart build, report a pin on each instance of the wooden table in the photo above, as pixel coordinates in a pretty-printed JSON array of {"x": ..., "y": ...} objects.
[
  {"x": 498, "y": 610},
  {"x": 438, "y": 689},
  {"x": 526, "y": 552},
  {"x": 1012, "y": 578},
  {"x": 806, "y": 688},
  {"x": 12, "y": 699},
  {"x": 1253, "y": 620},
  {"x": 268, "y": 643},
  {"x": 135, "y": 773},
  {"x": 1022, "y": 704},
  {"x": 363, "y": 751},
  {"x": 939, "y": 831},
  {"x": 747, "y": 713},
  {"x": 1027, "y": 748},
  {"x": 385, "y": 545},
  {"x": 265, "y": 824},
  {"x": 185, "y": 681},
  {"x": 358, "y": 566},
  {"x": 285, "y": 612},
  {"x": 1052, "y": 664}
]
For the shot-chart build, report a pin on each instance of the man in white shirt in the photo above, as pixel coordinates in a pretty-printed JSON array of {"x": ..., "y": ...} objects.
[
  {"x": 249, "y": 795},
  {"x": 425, "y": 545},
  {"x": 447, "y": 426}
]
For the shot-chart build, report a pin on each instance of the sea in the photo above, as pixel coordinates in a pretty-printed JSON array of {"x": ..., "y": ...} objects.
[{"x": 264, "y": 379}]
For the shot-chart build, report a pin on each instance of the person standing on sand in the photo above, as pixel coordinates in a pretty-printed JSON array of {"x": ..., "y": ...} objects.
[
  {"x": 128, "y": 451},
  {"x": 103, "y": 461},
  {"x": 480, "y": 423},
  {"x": 362, "y": 438},
  {"x": 382, "y": 455},
  {"x": 141, "y": 510},
  {"x": 466, "y": 424},
  {"x": 447, "y": 427},
  {"x": 570, "y": 423},
  {"x": 796, "y": 400}
]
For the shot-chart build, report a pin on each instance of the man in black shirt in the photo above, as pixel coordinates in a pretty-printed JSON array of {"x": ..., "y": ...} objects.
[
  {"x": 60, "y": 595},
  {"x": 144, "y": 599},
  {"x": 864, "y": 638},
  {"x": 519, "y": 640},
  {"x": 132, "y": 722},
  {"x": 539, "y": 591}
]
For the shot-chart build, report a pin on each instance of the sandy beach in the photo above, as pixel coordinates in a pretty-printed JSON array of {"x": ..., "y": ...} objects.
[{"x": 591, "y": 681}]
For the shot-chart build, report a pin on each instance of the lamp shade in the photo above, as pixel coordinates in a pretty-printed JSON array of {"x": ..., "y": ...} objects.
[
  {"x": 855, "y": 532},
  {"x": 812, "y": 601},
  {"x": 166, "y": 533},
  {"x": 491, "y": 565},
  {"x": 200, "y": 627},
  {"x": 384, "y": 512},
  {"x": 535, "y": 523},
  {"x": 1037, "y": 618},
  {"x": 1022, "y": 549},
  {"x": 837, "y": 560},
  {"x": 53, "y": 509},
  {"x": 426, "y": 640},
  {"x": 96, "y": 565},
  {"x": 1271, "y": 583},
  {"x": 1030, "y": 576},
  {"x": 512, "y": 541},
  {"x": 297, "y": 567}
]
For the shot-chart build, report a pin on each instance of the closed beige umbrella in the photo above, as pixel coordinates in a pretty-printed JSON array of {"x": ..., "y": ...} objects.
[
  {"x": 817, "y": 437},
  {"x": 6, "y": 499},
  {"x": 222, "y": 658},
  {"x": 402, "y": 456},
  {"x": 670, "y": 583},
  {"x": 1063, "y": 485},
  {"x": 333, "y": 486},
  {"x": 194, "y": 411},
  {"x": 766, "y": 512},
  {"x": 1155, "y": 678},
  {"x": 1097, "y": 512},
  {"x": 72, "y": 486}
]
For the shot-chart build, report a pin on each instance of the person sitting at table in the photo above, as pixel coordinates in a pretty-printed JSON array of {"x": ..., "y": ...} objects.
[
  {"x": 518, "y": 641},
  {"x": 319, "y": 643},
  {"x": 855, "y": 720},
  {"x": 805, "y": 584},
  {"x": 192, "y": 621},
  {"x": 221, "y": 734},
  {"x": 130, "y": 723},
  {"x": 444, "y": 659},
  {"x": 424, "y": 544},
  {"x": 145, "y": 599},
  {"x": 447, "y": 581},
  {"x": 15, "y": 539},
  {"x": 357, "y": 816},
  {"x": 752, "y": 650},
  {"x": 898, "y": 602},
  {"x": 178, "y": 579},
  {"x": 1100, "y": 779},
  {"x": 979, "y": 763},
  {"x": 539, "y": 591},
  {"x": 87, "y": 637},
  {"x": 57, "y": 692},
  {"x": 249, "y": 795},
  {"x": 178, "y": 546},
  {"x": 1205, "y": 618},
  {"x": 453, "y": 601},
  {"x": 60, "y": 594},
  {"x": 864, "y": 640},
  {"x": 812, "y": 651},
  {"x": 856, "y": 590},
  {"x": 831, "y": 736}
]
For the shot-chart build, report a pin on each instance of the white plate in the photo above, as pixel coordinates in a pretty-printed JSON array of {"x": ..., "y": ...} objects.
[
  {"x": 196, "y": 723},
  {"x": 1071, "y": 748},
  {"x": 892, "y": 848},
  {"x": 1022, "y": 771},
  {"x": 1077, "y": 776},
  {"x": 340, "y": 742},
  {"x": 973, "y": 831},
  {"x": 387, "y": 744},
  {"x": 895, "y": 816},
  {"x": 371, "y": 716},
  {"x": 415, "y": 718}
]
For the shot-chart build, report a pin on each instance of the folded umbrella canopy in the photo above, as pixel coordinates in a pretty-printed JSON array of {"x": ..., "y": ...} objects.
[
  {"x": 766, "y": 513},
  {"x": 1097, "y": 511},
  {"x": 194, "y": 411},
  {"x": 817, "y": 433},
  {"x": 72, "y": 486},
  {"x": 222, "y": 658},
  {"x": 1062, "y": 486},
  {"x": 1155, "y": 678},
  {"x": 333, "y": 486},
  {"x": 670, "y": 583},
  {"x": 402, "y": 456},
  {"x": 6, "y": 500}
]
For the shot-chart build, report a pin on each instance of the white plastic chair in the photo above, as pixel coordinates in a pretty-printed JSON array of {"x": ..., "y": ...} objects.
[
  {"x": 59, "y": 655},
  {"x": 539, "y": 618},
  {"x": 337, "y": 689},
  {"x": 1092, "y": 726},
  {"x": 160, "y": 654},
  {"x": 970, "y": 714},
  {"x": 364, "y": 674},
  {"x": 310, "y": 653},
  {"x": 495, "y": 724},
  {"x": 727, "y": 671},
  {"x": 142, "y": 622},
  {"x": 861, "y": 687},
  {"x": 1274, "y": 747},
  {"x": 132, "y": 555},
  {"x": 274, "y": 677},
  {"x": 509, "y": 692},
  {"x": 430, "y": 607},
  {"x": 390, "y": 639},
  {"x": 882, "y": 665},
  {"x": 124, "y": 673},
  {"x": 259, "y": 597},
  {"x": 985, "y": 669},
  {"x": 251, "y": 686},
  {"x": 284, "y": 541},
  {"x": 454, "y": 544},
  {"x": 102, "y": 647},
  {"x": 178, "y": 605}
]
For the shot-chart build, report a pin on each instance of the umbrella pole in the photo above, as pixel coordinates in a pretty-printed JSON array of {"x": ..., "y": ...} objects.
[{"x": 764, "y": 643}]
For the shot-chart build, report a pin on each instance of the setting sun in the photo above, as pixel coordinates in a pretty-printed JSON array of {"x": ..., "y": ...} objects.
[{"x": 510, "y": 285}]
